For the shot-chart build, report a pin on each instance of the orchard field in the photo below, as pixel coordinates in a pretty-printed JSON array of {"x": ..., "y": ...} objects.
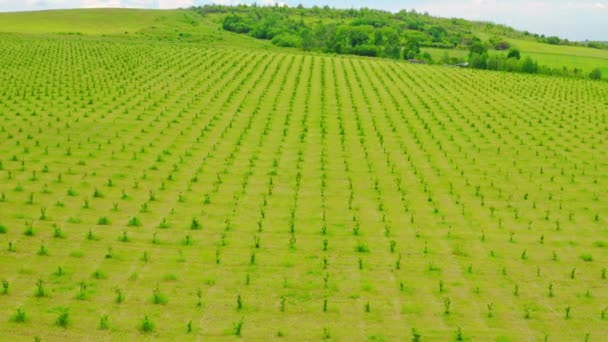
[{"x": 192, "y": 192}]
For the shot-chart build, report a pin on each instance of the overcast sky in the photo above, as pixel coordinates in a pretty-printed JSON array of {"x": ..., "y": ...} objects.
[{"x": 575, "y": 20}]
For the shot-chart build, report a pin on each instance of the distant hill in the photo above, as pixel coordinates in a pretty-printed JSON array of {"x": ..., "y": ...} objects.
[
  {"x": 414, "y": 36},
  {"x": 363, "y": 32}
]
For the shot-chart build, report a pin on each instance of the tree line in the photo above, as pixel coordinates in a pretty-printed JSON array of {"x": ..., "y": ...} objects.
[
  {"x": 512, "y": 61},
  {"x": 376, "y": 33}
]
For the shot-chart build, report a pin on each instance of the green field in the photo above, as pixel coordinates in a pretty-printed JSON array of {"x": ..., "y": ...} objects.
[
  {"x": 99, "y": 21},
  {"x": 216, "y": 190},
  {"x": 554, "y": 56}
]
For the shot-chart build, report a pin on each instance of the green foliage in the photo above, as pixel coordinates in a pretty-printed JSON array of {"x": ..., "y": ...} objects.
[
  {"x": 134, "y": 222},
  {"x": 478, "y": 48},
  {"x": 104, "y": 323},
  {"x": 287, "y": 40},
  {"x": 146, "y": 325},
  {"x": 63, "y": 317},
  {"x": 236, "y": 23},
  {"x": 552, "y": 40},
  {"x": 596, "y": 74},
  {"x": 362, "y": 32},
  {"x": 237, "y": 327},
  {"x": 362, "y": 248},
  {"x": 5, "y": 287},
  {"x": 514, "y": 53},
  {"x": 103, "y": 221},
  {"x": 528, "y": 66},
  {"x": 158, "y": 297},
  {"x": 19, "y": 316},
  {"x": 195, "y": 224}
]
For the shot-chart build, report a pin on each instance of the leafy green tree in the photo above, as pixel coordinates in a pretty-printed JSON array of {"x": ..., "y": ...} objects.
[
  {"x": 477, "y": 47},
  {"x": 512, "y": 65},
  {"x": 412, "y": 47},
  {"x": 596, "y": 74},
  {"x": 553, "y": 40},
  {"x": 479, "y": 61},
  {"x": 287, "y": 40},
  {"x": 528, "y": 66},
  {"x": 494, "y": 62},
  {"x": 514, "y": 53},
  {"x": 235, "y": 23}
]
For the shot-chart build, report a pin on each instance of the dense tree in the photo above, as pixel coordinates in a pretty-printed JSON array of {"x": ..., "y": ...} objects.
[
  {"x": 479, "y": 61},
  {"x": 529, "y": 66},
  {"x": 553, "y": 40},
  {"x": 402, "y": 35},
  {"x": 596, "y": 74},
  {"x": 514, "y": 53},
  {"x": 236, "y": 24},
  {"x": 477, "y": 47}
]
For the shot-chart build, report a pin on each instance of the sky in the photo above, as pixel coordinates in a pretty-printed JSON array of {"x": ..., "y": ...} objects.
[{"x": 574, "y": 20}]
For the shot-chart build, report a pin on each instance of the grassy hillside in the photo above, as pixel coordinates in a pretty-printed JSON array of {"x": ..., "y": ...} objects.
[
  {"x": 125, "y": 24},
  {"x": 163, "y": 187},
  {"x": 95, "y": 21},
  {"x": 554, "y": 56}
]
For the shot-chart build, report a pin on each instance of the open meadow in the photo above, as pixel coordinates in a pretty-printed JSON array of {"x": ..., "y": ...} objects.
[{"x": 198, "y": 191}]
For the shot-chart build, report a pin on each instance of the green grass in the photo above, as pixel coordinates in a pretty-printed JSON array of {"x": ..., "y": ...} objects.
[
  {"x": 97, "y": 21},
  {"x": 316, "y": 194},
  {"x": 557, "y": 56},
  {"x": 554, "y": 56}
]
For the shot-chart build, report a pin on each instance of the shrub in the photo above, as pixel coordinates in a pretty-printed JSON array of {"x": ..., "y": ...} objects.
[
  {"x": 158, "y": 297},
  {"x": 97, "y": 194},
  {"x": 238, "y": 327},
  {"x": 146, "y": 325},
  {"x": 239, "y": 302},
  {"x": 416, "y": 336},
  {"x": 586, "y": 257},
  {"x": 63, "y": 319},
  {"x": 596, "y": 74},
  {"x": 134, "y": 222},
  {"x": 29, "y": 230},
  {"x": 362, "y": 248},
  {"x": 98, "y": 274},
  {"x": 514, "y": 53},
  {"x": 459, "y": 335},
  {"x": 195, "y": 225},
  {"x": 119, "y": 296},
  {"x": 104, "y": 323},
  {"x": 5, "y": 286},
  {"x": 236, "y": 24},
  {"x": 3, "y": 229},
  {"x": 287, "y": 40},
  {"x": 447, "y": 303},
  {"x": 19, "y": 316},
  {"x": 40, "y": 290},
  {"x": 42, "y": 251},
  {"x": 103, "y": 221},
  {"x": 58, "y": 233}
]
